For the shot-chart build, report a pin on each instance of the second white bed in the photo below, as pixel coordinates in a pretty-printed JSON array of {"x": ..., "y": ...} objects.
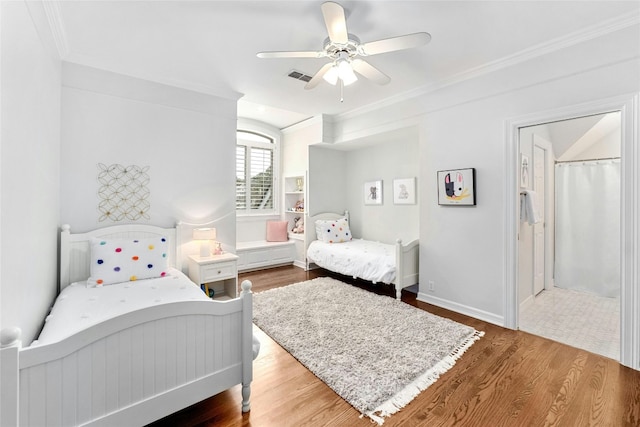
[
  {"x": 370, "y": 260},
  {"x": 373, "y": 261}
]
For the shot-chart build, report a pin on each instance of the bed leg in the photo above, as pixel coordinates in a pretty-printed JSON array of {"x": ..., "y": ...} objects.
[
  {"x": 247, "y": 343},
  {"x": 398, "y": 293},
  {"x": 246, "y": 393}
]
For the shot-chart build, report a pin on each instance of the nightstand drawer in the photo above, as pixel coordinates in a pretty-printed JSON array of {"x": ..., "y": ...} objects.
[{"x": 218, "y": 271}]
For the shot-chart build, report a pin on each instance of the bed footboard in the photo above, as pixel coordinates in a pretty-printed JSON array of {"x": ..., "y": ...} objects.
[
  {"x": 133, "y": 369},
  {"x": 407, "y": 260}
]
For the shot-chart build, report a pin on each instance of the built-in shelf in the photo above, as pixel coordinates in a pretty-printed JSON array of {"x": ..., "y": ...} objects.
[{"x": 294, "y": 195}]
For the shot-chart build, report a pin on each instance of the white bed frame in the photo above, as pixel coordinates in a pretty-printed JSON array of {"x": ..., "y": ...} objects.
[
  {"x": 406, "y": 254},
  {"x": 132, "y": 369}
]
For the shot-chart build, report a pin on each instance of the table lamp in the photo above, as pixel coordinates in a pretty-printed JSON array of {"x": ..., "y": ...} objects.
[{"x": 205, "y": 235}]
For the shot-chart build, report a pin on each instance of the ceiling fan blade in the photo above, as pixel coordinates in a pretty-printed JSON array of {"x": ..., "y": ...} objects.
[
  {"x": 299, "y": 54},
  {"x": 336, "y": 22},
  {"x": 370, "y": 72},
  {"x": 394, "y": 43},
  {"x": 317, "y": 78}
]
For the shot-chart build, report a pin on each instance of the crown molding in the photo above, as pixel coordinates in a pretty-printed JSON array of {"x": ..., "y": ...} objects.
[
  {"x": 311, "y": 121},
  {"x": 52, "y": 12},
  {"x": 589, "y": 33}
]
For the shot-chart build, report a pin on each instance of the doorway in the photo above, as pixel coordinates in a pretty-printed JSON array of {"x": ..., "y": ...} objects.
[
  {"x": 629, "y": 106},
  {"x": 569, "y": 284}
]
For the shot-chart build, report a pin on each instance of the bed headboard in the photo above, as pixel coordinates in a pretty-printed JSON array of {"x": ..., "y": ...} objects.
[
  {"x": 75, "y": 249},
  {"x": 310, "y": 225}
]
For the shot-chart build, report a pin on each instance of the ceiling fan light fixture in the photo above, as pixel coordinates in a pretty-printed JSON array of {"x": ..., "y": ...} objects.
[
  {"x": 345, "y": 72},
  {"x": 343, "y": 50},
  {"x": 331, "y": 76}
]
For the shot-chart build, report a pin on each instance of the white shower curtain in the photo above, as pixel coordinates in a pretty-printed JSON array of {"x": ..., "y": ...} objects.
[{"x": 588, "y": 227}]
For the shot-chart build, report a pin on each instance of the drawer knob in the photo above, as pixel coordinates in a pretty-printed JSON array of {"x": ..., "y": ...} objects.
[{"x": 219, "y": 271}]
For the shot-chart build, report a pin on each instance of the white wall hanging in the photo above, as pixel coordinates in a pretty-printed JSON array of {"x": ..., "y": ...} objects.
[{"x": 123, "y": 192}]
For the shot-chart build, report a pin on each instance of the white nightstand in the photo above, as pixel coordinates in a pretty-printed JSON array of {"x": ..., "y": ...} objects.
[{"x": 217, "y": 272}]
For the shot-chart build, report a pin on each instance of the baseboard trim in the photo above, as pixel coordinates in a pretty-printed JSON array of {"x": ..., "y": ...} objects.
[{"x": 462, "y": 309}]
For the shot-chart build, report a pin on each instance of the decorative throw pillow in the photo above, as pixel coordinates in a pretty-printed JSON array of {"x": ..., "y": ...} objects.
[
  {"x": 277, "y": 231},
  {"x": 333, "y": 231},
  {"x": 124, "y": 260}
]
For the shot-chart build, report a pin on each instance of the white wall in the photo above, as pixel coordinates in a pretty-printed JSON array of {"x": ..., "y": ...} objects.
[
  {"x": 187, "y": 139},
  {"x": 30, "y": 170},
  {"x": 337, "y": 180},
  {"x": 608, "y": 146},
  {"x": 327, "y": 181},
  {"x": 462, "y": 249},
  {"x": 396, "y": 158},
  {"x": 298, "y": 140}
]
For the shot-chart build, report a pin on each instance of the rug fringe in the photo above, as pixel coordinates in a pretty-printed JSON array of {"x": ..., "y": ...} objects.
[{"x": 407, "y": 394}]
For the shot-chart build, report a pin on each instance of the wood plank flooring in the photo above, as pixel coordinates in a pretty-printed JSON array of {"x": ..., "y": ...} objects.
[{"x": 508, "y": 378}]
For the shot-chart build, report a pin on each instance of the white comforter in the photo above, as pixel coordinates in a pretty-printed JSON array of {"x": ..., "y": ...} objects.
[
  {"x": 373, "y": 261},
  {"x": 79, "y": 307}
]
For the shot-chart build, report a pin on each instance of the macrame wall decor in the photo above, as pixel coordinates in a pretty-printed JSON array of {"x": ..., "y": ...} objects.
[{"x": 123, "y": 192}]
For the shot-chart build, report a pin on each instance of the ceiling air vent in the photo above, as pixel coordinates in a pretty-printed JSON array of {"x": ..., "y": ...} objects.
[{"x": 299, "y": 76}]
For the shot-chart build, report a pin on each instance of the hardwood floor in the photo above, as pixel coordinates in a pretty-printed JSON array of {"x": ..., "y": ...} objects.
[{"x": 508, "y": 378}]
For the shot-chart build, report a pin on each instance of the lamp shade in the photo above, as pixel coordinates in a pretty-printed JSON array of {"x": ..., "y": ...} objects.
[
  {"x": 331, "y": 76},
  {"x": 204, "y": 234},
  {"x": 345, "y": 72}
]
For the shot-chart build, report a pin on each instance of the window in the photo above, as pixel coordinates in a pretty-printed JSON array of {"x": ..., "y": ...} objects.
[{"x": 255, "y": 173}]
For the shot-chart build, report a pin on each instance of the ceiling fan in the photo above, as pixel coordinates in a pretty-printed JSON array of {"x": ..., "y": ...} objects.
[{"x": 345, "y": 51}]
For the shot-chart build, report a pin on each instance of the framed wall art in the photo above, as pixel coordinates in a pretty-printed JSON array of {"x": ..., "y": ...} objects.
[
  {"x": 404, "y": 191},
  {"x": 373, "y": 193},
  {"x": 457, "y": 187}
]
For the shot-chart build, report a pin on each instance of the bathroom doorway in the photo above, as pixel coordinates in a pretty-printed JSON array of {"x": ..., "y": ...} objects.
[{"x": 569, "y": 256}]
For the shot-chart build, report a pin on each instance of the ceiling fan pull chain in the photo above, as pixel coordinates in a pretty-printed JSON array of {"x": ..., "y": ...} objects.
[{"x": 341, "y": 91}]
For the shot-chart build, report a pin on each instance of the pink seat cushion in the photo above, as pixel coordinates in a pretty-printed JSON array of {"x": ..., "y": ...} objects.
[{"x": 277, "y": 231}]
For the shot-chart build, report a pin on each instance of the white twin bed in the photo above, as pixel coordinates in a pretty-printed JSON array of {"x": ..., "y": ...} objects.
[
  {"x": 329, "y": 245},
  {"x": 125, "y": 353}
]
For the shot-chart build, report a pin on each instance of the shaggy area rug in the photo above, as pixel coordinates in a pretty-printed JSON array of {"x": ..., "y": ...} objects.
[{"x": 376, "y": 352}]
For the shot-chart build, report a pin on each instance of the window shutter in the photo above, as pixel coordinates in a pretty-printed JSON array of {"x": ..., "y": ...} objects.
[
  {"x": 255, "y": 175},
  {"x": 261, "y": 178},
  {"x": 241, "y": 184}
]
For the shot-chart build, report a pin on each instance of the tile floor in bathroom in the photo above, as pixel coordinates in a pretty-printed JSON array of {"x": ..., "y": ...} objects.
[{"x": 575, "y": 318}]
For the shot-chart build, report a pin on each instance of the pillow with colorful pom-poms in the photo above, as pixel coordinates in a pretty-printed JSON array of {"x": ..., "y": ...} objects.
[
  {"x": 127, "y": 260},
  {"x": 336, "y": 231}
]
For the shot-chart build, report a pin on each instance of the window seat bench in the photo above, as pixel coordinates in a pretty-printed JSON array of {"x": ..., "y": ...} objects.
[{"x": 262, "y": 254}]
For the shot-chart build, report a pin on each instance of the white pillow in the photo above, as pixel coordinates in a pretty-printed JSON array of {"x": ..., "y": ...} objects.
[
  {"x": 124, "y": 260},
  {"x": 336, "y": 231}
]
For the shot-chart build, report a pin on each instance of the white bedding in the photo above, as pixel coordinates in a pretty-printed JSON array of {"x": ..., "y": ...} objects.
[
  {"x": 79, "y": 307},
  {"x": 365, "y": 259}
]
